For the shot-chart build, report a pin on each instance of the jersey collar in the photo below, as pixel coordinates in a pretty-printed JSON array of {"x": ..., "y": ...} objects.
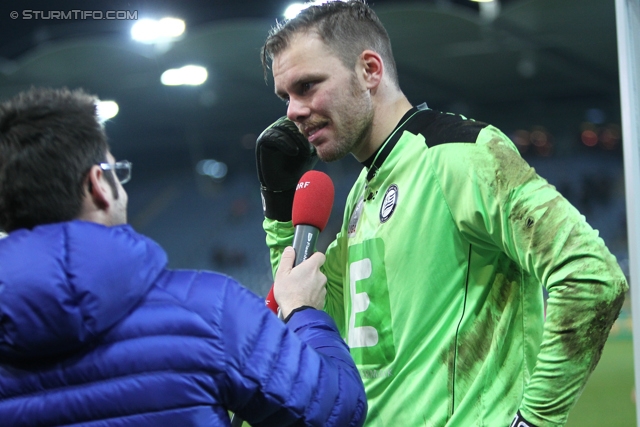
[{"x": 375, "y": 161}]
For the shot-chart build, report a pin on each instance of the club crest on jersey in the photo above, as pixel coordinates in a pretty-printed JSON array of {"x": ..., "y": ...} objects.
[{"x": 389, "y": 203}]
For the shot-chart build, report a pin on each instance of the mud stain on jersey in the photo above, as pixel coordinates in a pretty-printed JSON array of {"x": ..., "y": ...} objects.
[
  {"x": 474, "y": 345},
  {"x": 582, "y": 278},
  {"x": 465, "y": 357},
  {"x": 584, "y": 328},
  {"x": 508, "y": 171},
  {"x": 585, "y": 301},
  {"x": 526, "y": 219},
  {"x": 563, "y": 252}
]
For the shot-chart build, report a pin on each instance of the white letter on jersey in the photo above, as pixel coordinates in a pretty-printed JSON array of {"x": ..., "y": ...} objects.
[{"x": 362, "y": 336}]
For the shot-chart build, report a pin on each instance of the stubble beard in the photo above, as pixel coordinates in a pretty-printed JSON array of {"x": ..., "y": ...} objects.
[{"x": 355, "y": 128}]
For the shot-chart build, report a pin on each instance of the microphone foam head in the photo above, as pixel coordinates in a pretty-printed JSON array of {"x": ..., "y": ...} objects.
[{"x": 313, "y": 200}]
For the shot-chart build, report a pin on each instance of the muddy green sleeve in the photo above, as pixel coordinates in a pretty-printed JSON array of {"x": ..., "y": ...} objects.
[{"x": 499, "y": 202}]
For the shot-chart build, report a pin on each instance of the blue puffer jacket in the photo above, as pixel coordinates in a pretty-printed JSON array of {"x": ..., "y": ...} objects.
[{"x": 95, "y": 331}]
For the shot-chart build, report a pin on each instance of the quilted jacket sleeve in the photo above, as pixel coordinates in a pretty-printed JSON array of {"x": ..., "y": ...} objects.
[{"x": 300, "y": 373}]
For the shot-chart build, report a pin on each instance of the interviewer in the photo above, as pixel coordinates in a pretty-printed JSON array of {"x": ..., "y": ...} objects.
[{"x": 96, "y": 331}]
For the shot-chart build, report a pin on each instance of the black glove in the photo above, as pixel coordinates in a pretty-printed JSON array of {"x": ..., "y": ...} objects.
[
  {"x": 519, "y": 421},
  {"x": 283, "y": 155}
]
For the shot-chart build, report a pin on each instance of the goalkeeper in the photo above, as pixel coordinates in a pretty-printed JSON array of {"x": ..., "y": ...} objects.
[{"x": 448, "y": 236}]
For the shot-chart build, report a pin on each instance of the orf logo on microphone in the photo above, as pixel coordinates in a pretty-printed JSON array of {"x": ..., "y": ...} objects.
[
  {"x": 389, "y": 203},
  {"x": 302, "y": 184}
]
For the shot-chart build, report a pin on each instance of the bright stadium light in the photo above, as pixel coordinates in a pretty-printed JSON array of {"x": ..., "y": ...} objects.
[
  {"x": 172, "y": 27},
  {"x": 153, "y": 31},
  {"x": 144, "y": 30},
  {"x": 212, "y": 168},
  {"x": 106, "y": 110},
  {"x": 192, "y": 75},
  {"x": 295, "y": 8}
]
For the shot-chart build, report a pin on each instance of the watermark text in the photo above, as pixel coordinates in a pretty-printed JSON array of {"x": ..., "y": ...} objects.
[{"x": 127, "y": 15}]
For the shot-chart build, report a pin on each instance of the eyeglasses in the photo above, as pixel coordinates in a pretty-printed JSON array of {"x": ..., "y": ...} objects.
[{"x": 122, "y": 169}]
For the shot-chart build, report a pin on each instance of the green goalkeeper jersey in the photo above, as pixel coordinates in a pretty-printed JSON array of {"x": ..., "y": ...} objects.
[{"x": 436, "y": 281}]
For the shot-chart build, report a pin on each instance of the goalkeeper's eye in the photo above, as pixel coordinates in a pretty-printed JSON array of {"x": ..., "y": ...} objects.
[{"x": 284, "y": 99}]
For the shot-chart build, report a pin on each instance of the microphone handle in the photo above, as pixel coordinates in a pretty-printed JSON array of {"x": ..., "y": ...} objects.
[{"x": 304, "y": 242}]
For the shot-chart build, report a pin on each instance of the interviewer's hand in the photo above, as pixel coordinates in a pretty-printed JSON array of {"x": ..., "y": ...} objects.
[{"x": 301, "y": 285}]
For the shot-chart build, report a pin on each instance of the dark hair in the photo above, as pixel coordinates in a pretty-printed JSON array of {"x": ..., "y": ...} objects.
[
  {"x": 49, "y": 140},
  {"x": 347, "y": 27}
]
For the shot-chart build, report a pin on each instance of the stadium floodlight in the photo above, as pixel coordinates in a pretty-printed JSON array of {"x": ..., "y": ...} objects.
[
  {"x": 153, "y": 31},
  {"x": 106, "y": 110},
  {"x": 295, "y": 8},
  {"x": 212, "y": 168},
  {"x": 192, "y": 75}
]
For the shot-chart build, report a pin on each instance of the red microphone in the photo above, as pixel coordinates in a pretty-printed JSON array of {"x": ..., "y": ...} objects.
[
  {"x": 312, "y": 203},
  {"x": 270, "y": 301}
]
